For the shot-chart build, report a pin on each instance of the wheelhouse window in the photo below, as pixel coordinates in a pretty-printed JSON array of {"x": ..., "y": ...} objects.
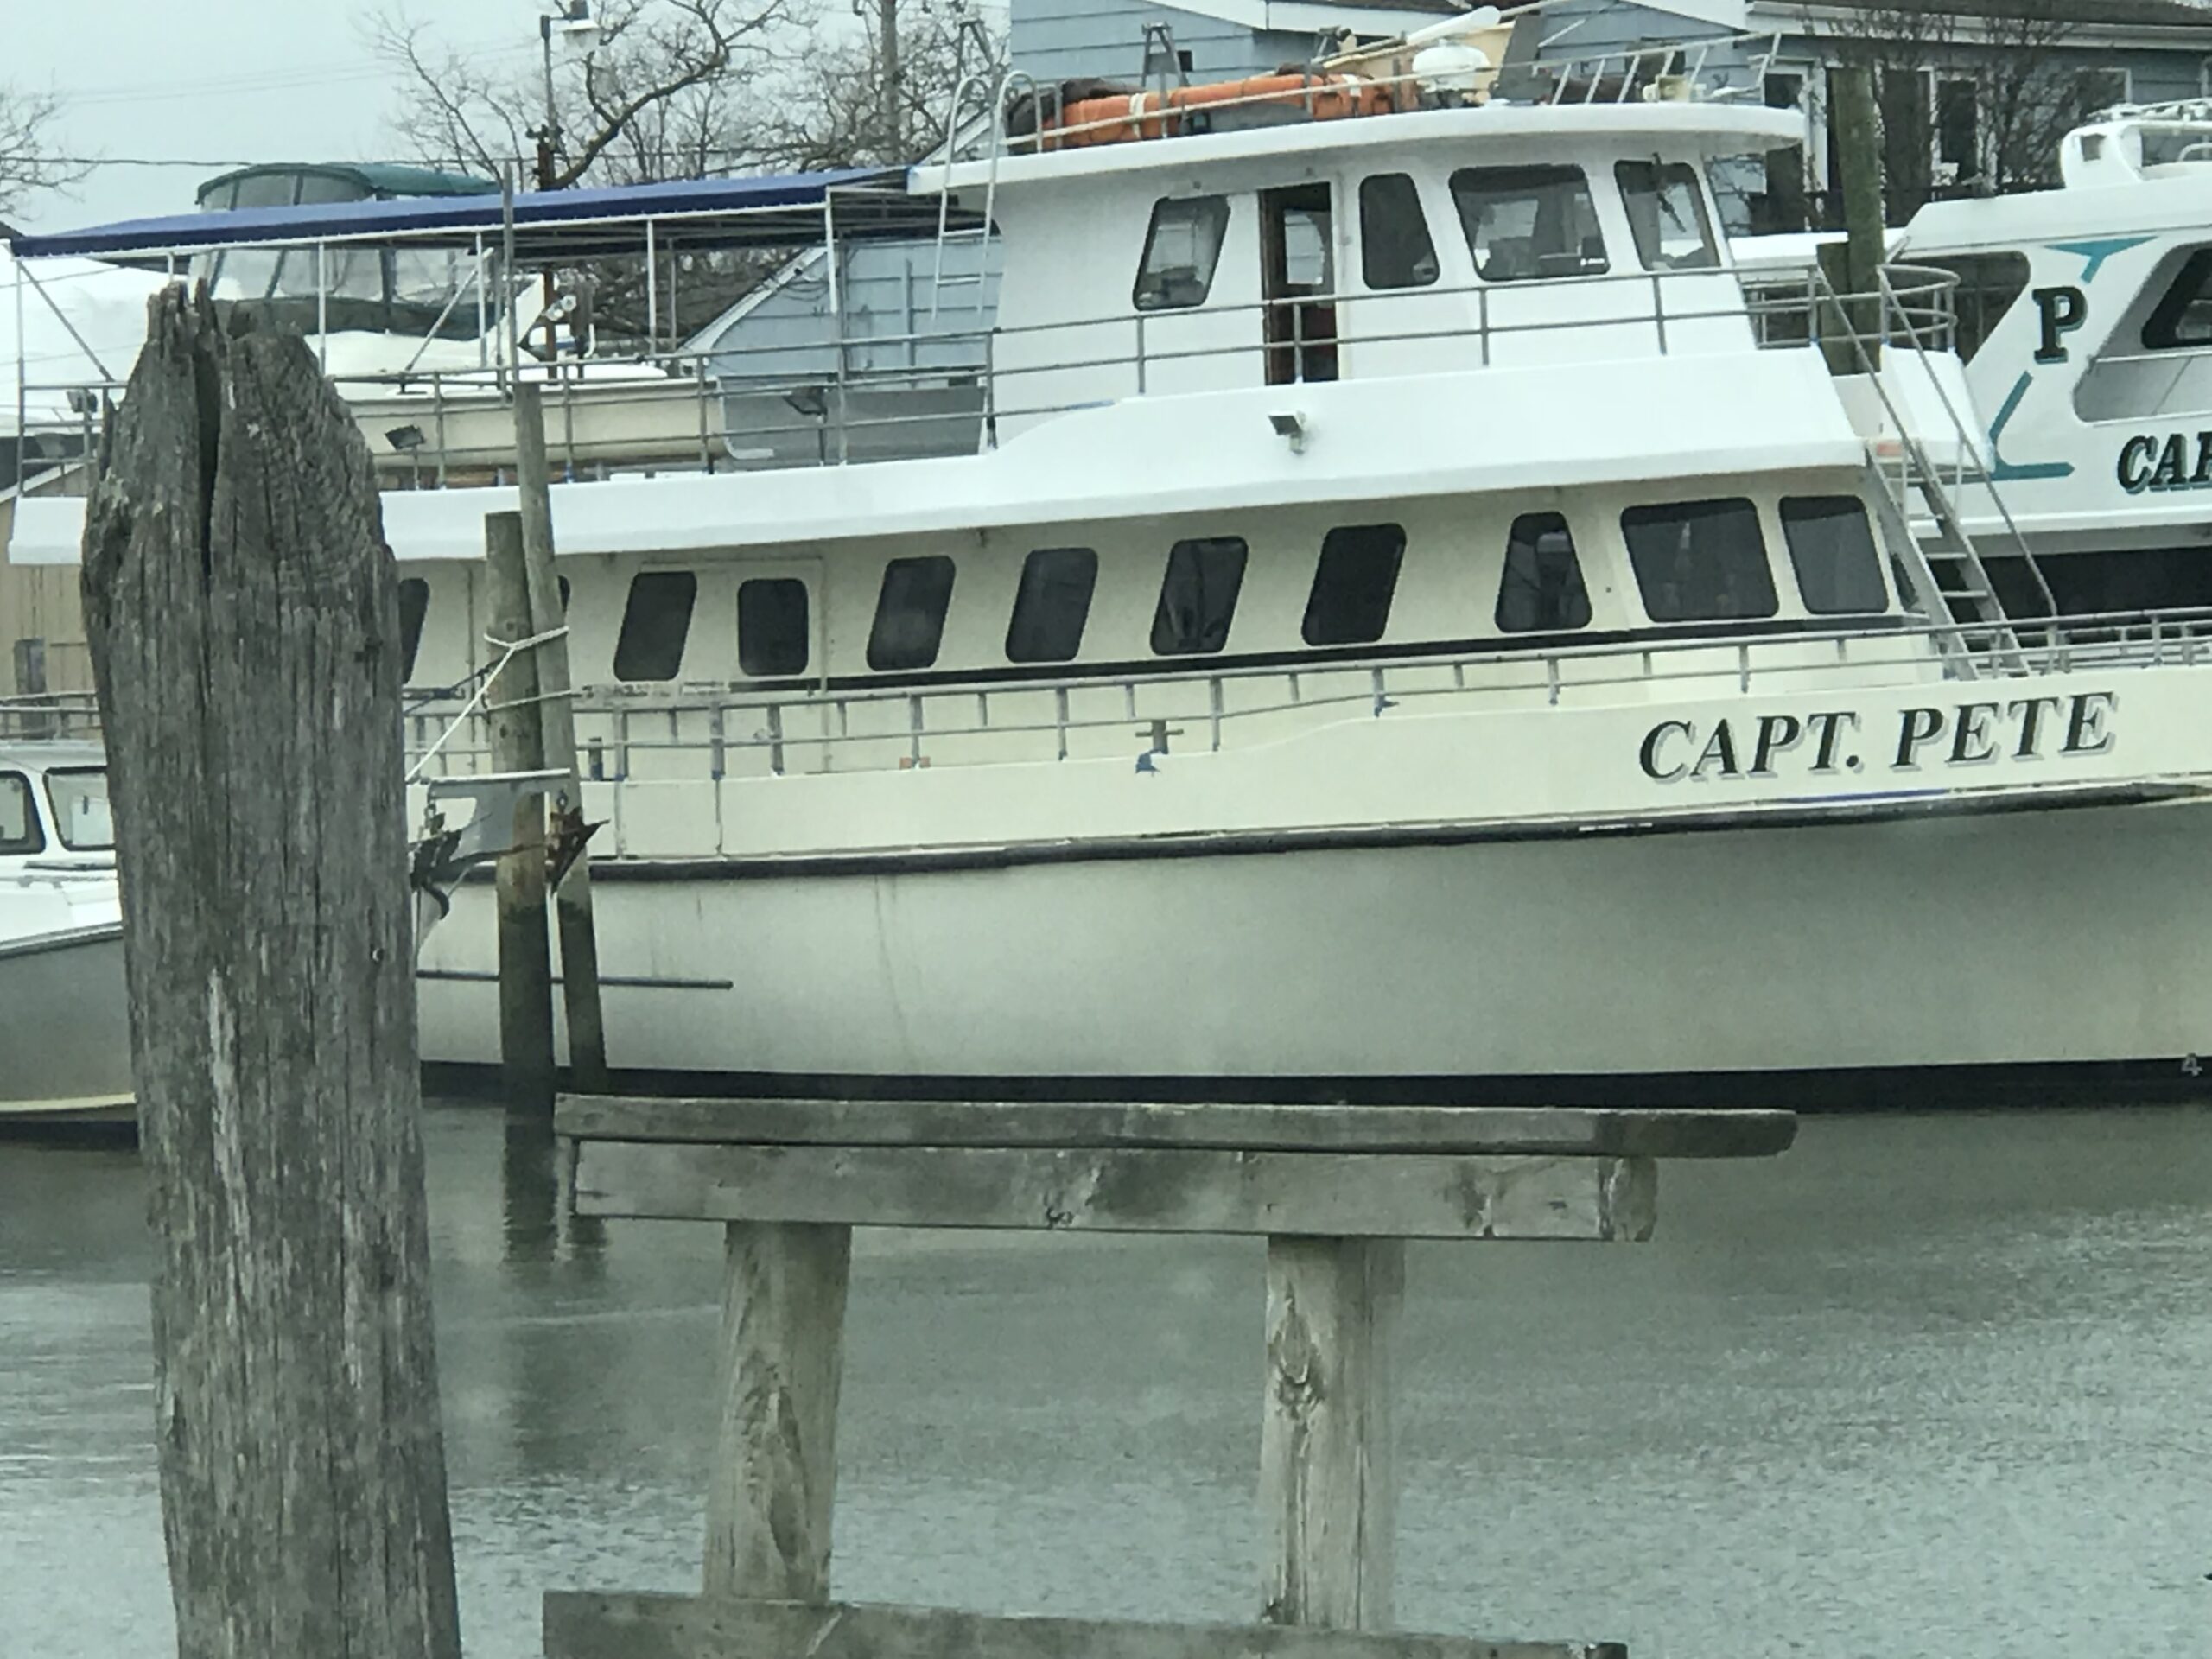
[
  {"x": 1052, "y": 604},
  {"x": 19, "y": 826},
  {"x": 2182, "y": 316},
  {"x": 1700, "y": 561},
  {"x": 1197, "y": 598},
  {"x": 1523, "y": 223},
  {"x": 414, "y": 606},
  {"x": 910, "y": 612},
  {"x": 1832, "y": 549},
  {"x": 773, "y": 633},
  {"x": 1395, "y": 248},
  {"x": 1666, "y": 215},
  {"x": 1542, "y": 590},
  {"x": 81, "y": 816},
  {"x": 1180, "y": 252},
  {"x": 1988, "y": 285},
  {"x": 655, "y": 622},
  {"x": 1350, "y": 602}
]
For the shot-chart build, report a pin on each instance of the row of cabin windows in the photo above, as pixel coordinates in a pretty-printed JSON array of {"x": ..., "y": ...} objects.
[
  {"x": 1693, "y": 562},
  {"x": 1520, "y": 223}
]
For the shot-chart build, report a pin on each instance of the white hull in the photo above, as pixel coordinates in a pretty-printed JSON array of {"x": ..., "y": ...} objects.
[
  {"x": 1977, "y": 939},
  {"x": 65, "y": 1027}
]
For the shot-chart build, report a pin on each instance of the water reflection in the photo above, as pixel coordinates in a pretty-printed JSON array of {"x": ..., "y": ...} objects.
[{"x": 1928, "y": 1385}]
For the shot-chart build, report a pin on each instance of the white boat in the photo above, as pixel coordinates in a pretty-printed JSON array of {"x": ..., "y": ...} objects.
[
  {"x": 1412, "y": 629},
  {"x": 65, "y": 1027}
]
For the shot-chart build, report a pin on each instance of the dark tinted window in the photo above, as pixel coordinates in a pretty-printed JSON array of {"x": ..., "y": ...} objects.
[
  {"x": 1832, "y": 549},
  {"x": 910, "y": 612},
  {"x": 1542, "y": 590},
  {"x": 1350, "y": 604},
  {"x": 1180, "y": 251},
  {"x": 1700, "y": 561},
  {"x": 19, "y": 825},
  {"x": 1666, "y": 215},
  {"x": 2183, "y": 313},
  {"x": 773, "y": 635},
  {"x": 414, "y": 606},
  {"x": 1052, "y": 604},
  {"x": 1394, "y": 250},
  {"x": 1988, "y": 284},
  {"x": 1525, "y": 222},
  {"x": 654, "y": 624},
  {"x": 1198, "y": 597}
]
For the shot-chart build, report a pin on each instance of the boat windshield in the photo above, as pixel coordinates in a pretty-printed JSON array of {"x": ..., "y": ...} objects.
[
  {"x": 377, "y": 290},
  {"x": 78, "y": 797}
]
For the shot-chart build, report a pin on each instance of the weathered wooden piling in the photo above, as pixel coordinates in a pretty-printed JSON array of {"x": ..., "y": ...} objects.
[
  {"x": 557, "y": 724},
  {"x": 515, "y": 710},
  {"x": 1858, "y": 161},
  {"x": 244, "y": 621}
]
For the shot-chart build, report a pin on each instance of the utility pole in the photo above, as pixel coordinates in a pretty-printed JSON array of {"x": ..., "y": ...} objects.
[{"x": 887, "y": 22}]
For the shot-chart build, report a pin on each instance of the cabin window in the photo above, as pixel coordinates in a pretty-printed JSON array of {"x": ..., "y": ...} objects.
[
  {"x": 1198, "y": 597},
  {"x": 19, "y": 825},
  {"x": 1180, "y": 252},
  {"x": 910, "y": 612},
  {"x": 1832, "y": 549},
  {"x": 1525, "y": 222},
  {"x": 1541, "y": 589},
  {"x": 1350, "y": 602},
  {"x": 655, "y": 622},
  {"x": 81, "y": 815},
  {"x": 1988, "y": 284},
  {"x": 1666, "y": 215},
  {"x": 773, "y": 631},
  {"x": 1700, "y": 561},
  {"x": 1394, "y": 250},
  {"x": 1052, "y": 604},
  {"x": 2183, "y": 315},
  {"x": 414, "y": 606}
]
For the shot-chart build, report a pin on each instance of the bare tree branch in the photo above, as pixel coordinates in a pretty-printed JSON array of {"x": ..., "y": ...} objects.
[{"x": 29, "y": 160}]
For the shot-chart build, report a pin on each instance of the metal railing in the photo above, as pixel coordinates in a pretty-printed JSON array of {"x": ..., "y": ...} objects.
[{"x": 1176, "y": 709}]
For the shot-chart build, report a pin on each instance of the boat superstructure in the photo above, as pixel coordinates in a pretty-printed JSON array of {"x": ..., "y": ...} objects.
[{"x": 1380, "y": 612}]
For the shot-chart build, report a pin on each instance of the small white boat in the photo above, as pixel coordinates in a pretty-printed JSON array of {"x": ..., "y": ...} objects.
[{"x": 65, "y": 1023}]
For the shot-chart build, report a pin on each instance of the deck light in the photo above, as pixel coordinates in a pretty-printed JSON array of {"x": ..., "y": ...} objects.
[
  {"x": 406, "y": 439},
  {"x": 1291, "y": 424}
]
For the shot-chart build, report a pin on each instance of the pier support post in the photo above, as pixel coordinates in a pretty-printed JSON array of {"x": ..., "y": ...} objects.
[
  {"x": 1328, "y": 1488},
  {"x": 558, "y": 722},
  {"x": 243, "y": 619},
  {"x": 774, "y": 1480},
  {"x": 525, "y": 952},
  {"x": 1858, "y": 145}
]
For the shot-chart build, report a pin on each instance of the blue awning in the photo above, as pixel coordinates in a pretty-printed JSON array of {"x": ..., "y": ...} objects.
[{"x": 550, "y": 226}]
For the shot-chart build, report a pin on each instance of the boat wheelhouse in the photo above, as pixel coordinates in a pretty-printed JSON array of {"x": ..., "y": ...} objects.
[{"x": 1400, "y": 623}]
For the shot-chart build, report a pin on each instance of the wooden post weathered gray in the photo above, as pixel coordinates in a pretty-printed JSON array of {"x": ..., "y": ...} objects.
[
  {"x": 1858, "y": 145},
  {"x": 244, "y": 621},
  {"x": 1328, "y": 1491},
  {"x": 772, "y": 1485},
  {"x": 525, "y": 952},
  {"x": 572, "y": 899}
]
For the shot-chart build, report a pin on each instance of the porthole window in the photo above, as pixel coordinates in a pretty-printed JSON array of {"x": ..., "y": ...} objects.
[
  {"x": 773, "y": 636},
  {"x": 1197, "y": 598},
  {"x": 19, "y": 826},
  {"x": 910, "y": 612},
  {"x": 1832, "y": 549},
  {"x": 1350, "y": 602},
  {"x": 1700, "y": 561},
  {"x": 1395, "y": 250},
  {"x": 1052, "y": 604},
  {"x": 1180, "y": 251},
  {"x": 1542, "y": 590},
  {"x": 414, "y": 606},
  {"x": 655, "y": 622}
]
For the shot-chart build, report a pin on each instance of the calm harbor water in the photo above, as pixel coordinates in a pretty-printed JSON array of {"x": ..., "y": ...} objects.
[{"x": 1927, "y": 1385}]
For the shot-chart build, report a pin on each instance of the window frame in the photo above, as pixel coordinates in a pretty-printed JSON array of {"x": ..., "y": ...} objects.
[
  {"x": 33, "y": 841},
  {"x": 2160, "y": 330},
  {"x": 806, "y": 626},
  {"x": 1513, "y": 539},
  {"x": 411, "y": 637},
  {"x": 622, "y": 639},
  {"x": 1216, "y": 207},
  {"x": 1874, "y": 560},
  {"x": 1650, "y": 511},
  {"x": 1198, "y": 548},
  {"x": 1681, "y": 172},
  {"x": 1026, "y": 589},
  {"x": 1367, "y": 240},
  {"x": 1354, "y": 555},
  {"x": 61, "y": 819},
  {"x": 937, "y": 601},
  {"x": 1559, "y": 170}
]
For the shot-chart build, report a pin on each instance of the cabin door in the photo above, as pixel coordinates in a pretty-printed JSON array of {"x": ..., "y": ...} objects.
[{"x": 1298, "y": 284}]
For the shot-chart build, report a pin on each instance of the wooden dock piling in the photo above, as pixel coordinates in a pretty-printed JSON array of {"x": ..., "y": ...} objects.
[
  {"x": 526, "y": 1068},
  {"x": 243, "y": 619}
]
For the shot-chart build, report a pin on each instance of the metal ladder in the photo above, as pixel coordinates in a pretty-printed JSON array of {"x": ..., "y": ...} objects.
[
  {"x": 977, "y": 94},
  {"x": 1949, "y": 580}
]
